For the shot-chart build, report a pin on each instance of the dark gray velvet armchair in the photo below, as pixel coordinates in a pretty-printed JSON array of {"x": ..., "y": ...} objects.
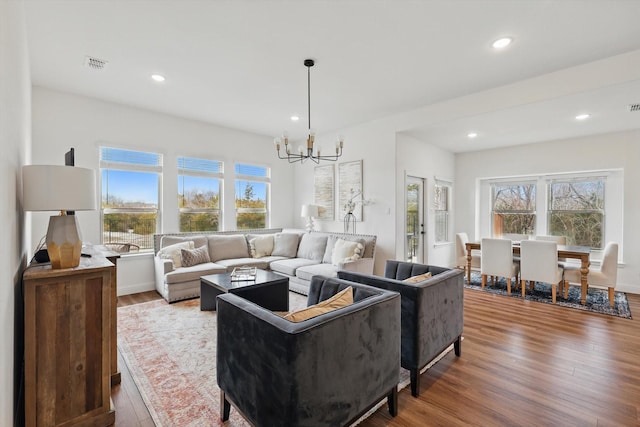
[
  {"x": 324, "y": 371},
  {"x": 432, "y": 311}
]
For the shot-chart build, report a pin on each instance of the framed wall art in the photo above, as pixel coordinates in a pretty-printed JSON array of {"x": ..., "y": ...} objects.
[{"x": 323, "y": 191}]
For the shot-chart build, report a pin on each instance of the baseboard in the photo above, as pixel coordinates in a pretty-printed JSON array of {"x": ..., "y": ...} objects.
[
  {"x": 136, "y": 288},
  {"x": 631, "y": 289}
]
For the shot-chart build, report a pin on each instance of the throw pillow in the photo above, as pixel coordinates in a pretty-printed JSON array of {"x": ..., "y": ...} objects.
[
  {"x": 173, "y": 253},
  {"x": 346, "y": 251},
  {"x": 343, "y": 298},
  {"x": 285, "y": 244},
  {"x": 418, "y": 278},
  {"x": 312, "y": 246},
  {"x": 191, "y": 257},
  {"x": 261, "y": 246}
]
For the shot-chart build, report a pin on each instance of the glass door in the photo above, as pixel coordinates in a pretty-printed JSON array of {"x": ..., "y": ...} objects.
[{"x": 414, "y": 219}]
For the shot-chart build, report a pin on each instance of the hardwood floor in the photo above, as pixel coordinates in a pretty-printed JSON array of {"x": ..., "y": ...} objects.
[{"x": 523, "y": 364}]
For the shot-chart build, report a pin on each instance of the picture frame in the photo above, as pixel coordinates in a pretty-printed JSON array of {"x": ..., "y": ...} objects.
[
  {"x": 350, "y": 188},
  {"x": 323, "y": 191}
]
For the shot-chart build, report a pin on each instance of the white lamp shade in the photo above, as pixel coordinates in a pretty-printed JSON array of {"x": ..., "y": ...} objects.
[
  {"x": 309, "y": 211},
  {"x": 58, "y": 188}
]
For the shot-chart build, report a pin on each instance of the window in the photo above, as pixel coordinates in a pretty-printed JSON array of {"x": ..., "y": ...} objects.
[
  {"x": 130, "y": 195},
  {"x": 199, "y": 183},
  {"x": 441, "y": 197},
  {"x": 576, "y": 210},
  {"x": 252, "y": 189},
  {"x": 513, "y": 209}
]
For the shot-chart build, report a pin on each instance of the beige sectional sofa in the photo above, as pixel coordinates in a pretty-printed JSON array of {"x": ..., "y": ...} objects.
[{"x": 294, "y": 253}]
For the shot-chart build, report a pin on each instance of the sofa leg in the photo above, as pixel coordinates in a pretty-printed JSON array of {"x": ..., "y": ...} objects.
[
  {"x": 392, "y": 401},
  {"x": 415, "y": 382},
  {"x": 457, "y": 346},
  {"x": 225, "y": 407}
]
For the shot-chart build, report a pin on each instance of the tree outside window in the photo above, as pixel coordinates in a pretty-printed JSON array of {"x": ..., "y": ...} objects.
[
  {"x": 576, "y": 210},
  {"x": 441, "y": 208},
  {"x": 514, "y": 209},
  {"x": 252, "y": 189},
  {"x": 199, "y": 182}
]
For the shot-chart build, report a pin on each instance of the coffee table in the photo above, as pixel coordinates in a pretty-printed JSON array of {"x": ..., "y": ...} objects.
[{"x": 268, "y": 290}]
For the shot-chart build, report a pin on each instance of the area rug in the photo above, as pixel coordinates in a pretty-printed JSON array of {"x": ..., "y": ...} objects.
[
  {"x": 597, "y": 299},
  {"x": 170, "y": 350}
]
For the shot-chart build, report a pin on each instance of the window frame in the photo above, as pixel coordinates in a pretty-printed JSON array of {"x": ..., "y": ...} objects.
[
  {"x": 183, "y": 171},
  {"x": 131, "y": 167},
  {"x": 253, "y": 178},
  {"x": 448, "y": 185},
  {"x": 494, "y": 212}
]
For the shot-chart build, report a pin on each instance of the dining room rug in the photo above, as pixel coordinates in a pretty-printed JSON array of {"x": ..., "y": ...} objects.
[
  {"x": 597, "y": 299},
  {"x": 170, "y": 350}
]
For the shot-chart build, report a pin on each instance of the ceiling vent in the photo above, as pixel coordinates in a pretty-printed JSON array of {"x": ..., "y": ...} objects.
[
  {"x": 634, "y": 107},
  {"x": 95, "y": 63}
]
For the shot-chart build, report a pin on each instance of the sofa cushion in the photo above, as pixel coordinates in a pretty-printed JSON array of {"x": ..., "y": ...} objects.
[
  {"x": 173, "y": 252},
  {"x": 261, "y": 246},
  {"x": 227, "y": 247},
  {"x": 243, "y": 262},
  {"x": 312, "y": 246},
  {"x": 187, "y": 274},
  {"x": 343, "y": 298},
  {"x": 191, "y": 257},
  {"x": 198, "y": 240},
  {"x": 289, "y": 266},
  {"x": 307, "y": 272},
  {"x": 345, "y": 251},
  {"x": 285, "y": 244}
]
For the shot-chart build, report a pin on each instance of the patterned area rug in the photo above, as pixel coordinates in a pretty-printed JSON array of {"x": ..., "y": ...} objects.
[
  {"x": 597, "y": 299},
  {"x": 171, "y": 353}
]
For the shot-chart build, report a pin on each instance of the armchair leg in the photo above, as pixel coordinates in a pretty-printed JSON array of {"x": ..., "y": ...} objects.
[
  {"x": 225, "y": 407},
  {"x": 457, "y": 346},
  {"x": 392, "y": 401},
  {"x": 415, "y": 381}
]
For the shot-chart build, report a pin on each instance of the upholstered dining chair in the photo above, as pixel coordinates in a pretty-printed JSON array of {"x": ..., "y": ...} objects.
[
  {"x": 539, "y": 263},
  {"x": 461, "y": 253},
  {"x": 604, "y": 277},
  {"x": 560, "y": 240},
  {"x": 497, "y": 261}
]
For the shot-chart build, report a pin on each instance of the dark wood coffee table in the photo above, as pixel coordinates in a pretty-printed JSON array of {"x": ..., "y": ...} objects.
[{"x": 268, "y": 290}]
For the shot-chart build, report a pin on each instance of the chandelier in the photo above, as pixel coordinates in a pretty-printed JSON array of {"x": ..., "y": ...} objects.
[{"x": 303, "y": 154}]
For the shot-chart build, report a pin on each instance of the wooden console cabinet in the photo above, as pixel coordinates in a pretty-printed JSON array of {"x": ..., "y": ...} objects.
[{"x": 67, "y": 314}]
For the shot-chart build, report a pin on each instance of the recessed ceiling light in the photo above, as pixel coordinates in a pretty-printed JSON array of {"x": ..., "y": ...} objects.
[
  {"x": 295, "y": 118},
  {"x": 472, "y": 135},
  {"x": 582, "y": 116},
  {"x": 158, "y": 78},
  {"x": 502, "y": 43}
]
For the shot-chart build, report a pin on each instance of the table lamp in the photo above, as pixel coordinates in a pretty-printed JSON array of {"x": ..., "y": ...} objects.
[
  {"x": 60, "y": 188},
  {"x": 309, "y": 212}
]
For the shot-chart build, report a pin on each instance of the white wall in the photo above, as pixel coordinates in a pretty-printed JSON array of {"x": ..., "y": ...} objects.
[
  {"x": 374, "y": 144},
  {"x": 15, "y": 88},
  {"x": 420, "y": 159},
  {"x": 597, "y": 152},
  {"x": 62, "y": 120}
]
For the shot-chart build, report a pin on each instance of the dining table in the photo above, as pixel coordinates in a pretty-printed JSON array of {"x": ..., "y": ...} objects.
[{"x": 581, "y": 253}]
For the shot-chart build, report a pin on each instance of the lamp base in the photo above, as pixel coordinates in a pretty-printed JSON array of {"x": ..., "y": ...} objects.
[
  {"x": 310, "y": 225},
  {"x": 64, "y": 244}
]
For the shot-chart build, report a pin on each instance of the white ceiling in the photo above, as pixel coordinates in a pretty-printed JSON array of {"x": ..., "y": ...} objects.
[{"x": 240, "y": 63}]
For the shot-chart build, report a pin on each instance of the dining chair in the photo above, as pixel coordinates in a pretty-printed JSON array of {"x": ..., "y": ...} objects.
[
  {"x": 497, "y": 261},
  {"x": 461, "y": 253},
  {"x": 604, "y": 277},
  {"x": 539, "y": 263},
  {"x": 560, "y": 240}
]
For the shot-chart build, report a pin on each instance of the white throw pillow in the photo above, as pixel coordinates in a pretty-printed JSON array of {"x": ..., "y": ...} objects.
[
  {"x": 174, "y": 253},
  {"x": 345, "y": 251},
  {"x": 261, "y": 246}
]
